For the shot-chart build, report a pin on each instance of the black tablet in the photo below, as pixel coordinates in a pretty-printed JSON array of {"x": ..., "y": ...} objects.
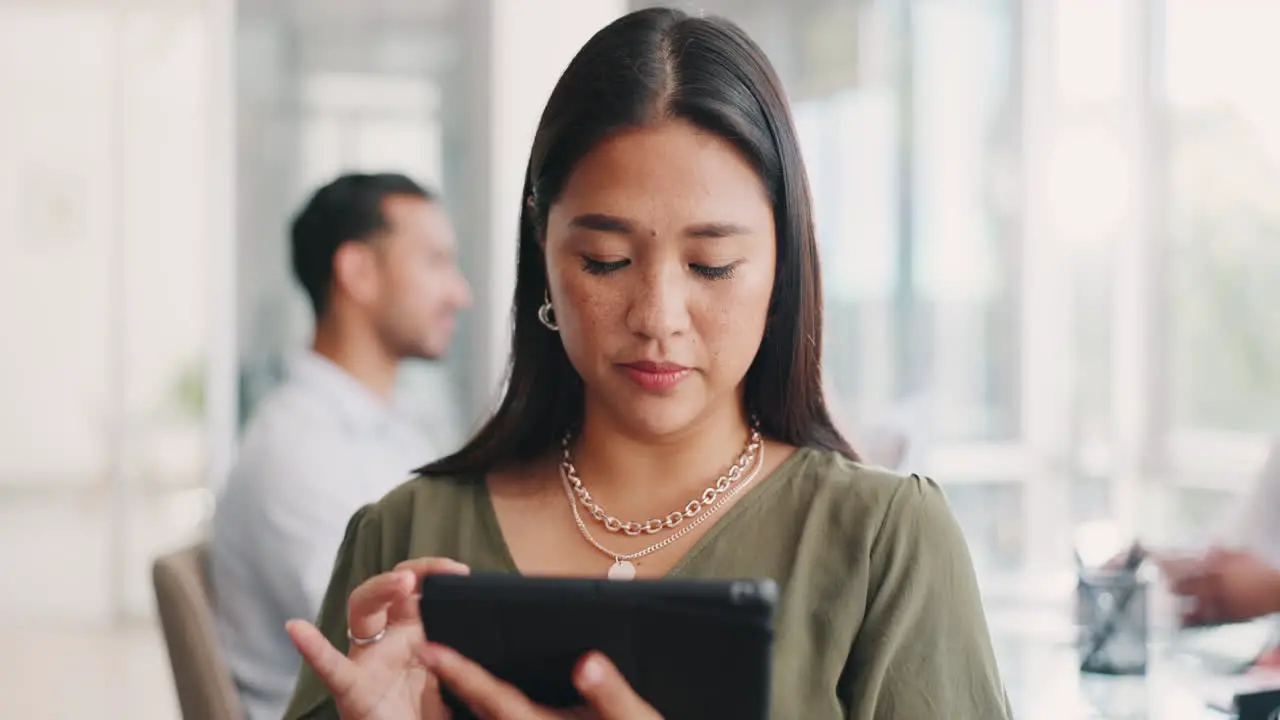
[{"x": 691, "y": 648}]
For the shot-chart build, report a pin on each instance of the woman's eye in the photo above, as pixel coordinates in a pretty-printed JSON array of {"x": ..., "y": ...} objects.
[
  {"x": 601, "y": 267},
  {"x": 715, "y": 272}
]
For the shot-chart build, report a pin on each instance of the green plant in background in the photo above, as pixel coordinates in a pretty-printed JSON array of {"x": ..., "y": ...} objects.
[{"x": 187, "y": 394}]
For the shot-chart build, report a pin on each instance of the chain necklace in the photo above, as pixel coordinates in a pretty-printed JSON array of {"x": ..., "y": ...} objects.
[
  {"x": 623, "y": 568},
  {"x": 655, "y": 525}
]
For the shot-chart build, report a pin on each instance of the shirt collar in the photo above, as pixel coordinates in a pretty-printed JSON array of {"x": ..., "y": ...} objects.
[{"x": 362, "y": 410}]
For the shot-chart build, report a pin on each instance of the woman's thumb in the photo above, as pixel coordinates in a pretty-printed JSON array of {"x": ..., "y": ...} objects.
[{"x": 607, "y": 691}]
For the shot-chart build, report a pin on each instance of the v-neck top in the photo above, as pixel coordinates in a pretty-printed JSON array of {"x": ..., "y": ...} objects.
[{"x": 879, "y": 614}]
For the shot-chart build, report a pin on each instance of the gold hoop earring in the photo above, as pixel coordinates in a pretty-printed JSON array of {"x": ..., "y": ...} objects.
[{"x": 546, "y": 313}]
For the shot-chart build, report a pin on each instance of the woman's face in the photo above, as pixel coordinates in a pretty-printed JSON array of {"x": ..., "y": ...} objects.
[{"x": 660, "y": 255}]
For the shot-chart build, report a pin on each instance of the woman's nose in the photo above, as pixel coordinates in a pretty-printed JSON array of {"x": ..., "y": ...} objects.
[{"x": 659, "y": 306}]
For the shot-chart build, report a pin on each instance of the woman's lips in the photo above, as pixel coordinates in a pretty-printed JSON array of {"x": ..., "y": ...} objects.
[{"x": 655, "y": 376}]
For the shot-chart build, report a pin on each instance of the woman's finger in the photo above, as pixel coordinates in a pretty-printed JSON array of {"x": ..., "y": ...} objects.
[
  {"x": 368, "y": 605},
  {"x": 608, "y": 692},
  {"x": 433, "y": 566},
  {"x": 336, "y": 671},
  {"x": 407, "y": 608},
  {"x": 432, "y": 704},
  {"x": 488, "y": 697}
]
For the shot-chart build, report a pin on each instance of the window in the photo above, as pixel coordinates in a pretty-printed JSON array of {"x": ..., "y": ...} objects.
[
  {"x": 908, "y": 119},
  {"x": 1223, "y": 218},
  {"x": 1051, "y": 237}
]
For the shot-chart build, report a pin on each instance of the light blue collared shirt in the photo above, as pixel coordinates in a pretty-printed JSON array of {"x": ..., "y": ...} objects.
[{"x": 317, "y": 449}]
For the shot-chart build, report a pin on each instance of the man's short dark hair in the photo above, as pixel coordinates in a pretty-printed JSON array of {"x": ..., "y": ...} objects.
[{"x": 349, "y": 208}]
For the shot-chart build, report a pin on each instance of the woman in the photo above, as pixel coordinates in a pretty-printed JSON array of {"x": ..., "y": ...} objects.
[{"x": 668, "y": 324}]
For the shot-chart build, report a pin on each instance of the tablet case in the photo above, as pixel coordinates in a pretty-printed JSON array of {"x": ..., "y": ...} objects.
[{"x": 691, "y": 648}]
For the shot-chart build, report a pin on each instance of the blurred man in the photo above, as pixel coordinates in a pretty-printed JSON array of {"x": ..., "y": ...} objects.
[{"x": 375, "y": 254}]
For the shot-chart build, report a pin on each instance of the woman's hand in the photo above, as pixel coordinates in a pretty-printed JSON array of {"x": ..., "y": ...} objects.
[
  {"x": 385, "y": 678},
  {"x": 395, "y": 677},
  {"x": 607, "y": 693}
]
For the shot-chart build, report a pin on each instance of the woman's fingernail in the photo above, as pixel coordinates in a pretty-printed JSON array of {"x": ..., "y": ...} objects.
[{"x": 592, "y": 671}]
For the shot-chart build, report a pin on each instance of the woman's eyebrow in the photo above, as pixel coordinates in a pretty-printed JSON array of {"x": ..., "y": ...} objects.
[
  {"x": 716, "y": 230},
  {"x": 601, "y": 222}
]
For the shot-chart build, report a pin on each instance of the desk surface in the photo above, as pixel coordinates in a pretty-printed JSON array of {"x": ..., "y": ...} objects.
[{"x": 1041, "y": 672}]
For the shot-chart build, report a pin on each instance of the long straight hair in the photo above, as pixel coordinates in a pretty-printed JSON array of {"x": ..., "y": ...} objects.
[{"x": 646, "y": 67}]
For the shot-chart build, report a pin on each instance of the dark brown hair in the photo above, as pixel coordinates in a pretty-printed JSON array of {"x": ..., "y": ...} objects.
[
  {"x": 349, "y": 209},
  {"x": 649, "y": 66}
]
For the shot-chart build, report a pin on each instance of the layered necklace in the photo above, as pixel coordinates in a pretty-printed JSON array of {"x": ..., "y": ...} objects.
[{"x": 682, "y": 521}]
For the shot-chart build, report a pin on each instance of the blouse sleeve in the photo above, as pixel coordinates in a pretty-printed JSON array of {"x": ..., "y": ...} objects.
[
  {"x": 923, "y": 650},
  {"x": 359, "y": 558}
]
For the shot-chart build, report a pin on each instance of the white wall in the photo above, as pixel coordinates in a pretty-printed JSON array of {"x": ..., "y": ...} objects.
[
  {"x": 55, "y": 231},
  {"x": 102, "y": 222},
  {"x": 104, "y": 237}
]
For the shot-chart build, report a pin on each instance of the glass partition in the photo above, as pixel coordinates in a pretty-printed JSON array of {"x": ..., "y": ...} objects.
[{"x": 331, "y": 87}]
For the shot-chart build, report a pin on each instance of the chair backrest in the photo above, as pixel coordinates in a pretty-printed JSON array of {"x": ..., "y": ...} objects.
[{"x": 205, "y": 688}]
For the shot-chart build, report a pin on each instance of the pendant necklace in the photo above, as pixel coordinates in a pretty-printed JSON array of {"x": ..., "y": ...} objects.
[{"x": 624, "y": 567}]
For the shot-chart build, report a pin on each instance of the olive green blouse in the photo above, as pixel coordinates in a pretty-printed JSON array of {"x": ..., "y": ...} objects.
[{"x": 879, "y": 614}]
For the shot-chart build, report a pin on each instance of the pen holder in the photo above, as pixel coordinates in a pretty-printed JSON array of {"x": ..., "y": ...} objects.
[{"x": 1112, "y": 615}]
